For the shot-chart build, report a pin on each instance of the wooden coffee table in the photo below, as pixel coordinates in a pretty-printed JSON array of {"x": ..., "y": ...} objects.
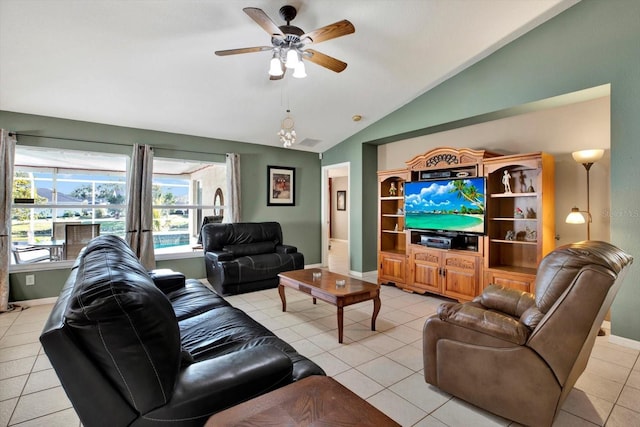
[
  {"x": 325, "y": 289},
  {"x": 312, "y": 401}
]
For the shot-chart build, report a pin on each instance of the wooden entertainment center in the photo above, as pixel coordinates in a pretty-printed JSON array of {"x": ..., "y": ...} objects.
[{"x": 519, "y": 225}]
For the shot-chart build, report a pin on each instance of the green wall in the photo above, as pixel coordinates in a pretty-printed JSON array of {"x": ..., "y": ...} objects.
[
  {"x": 590, "y": 44},
  {"x": 300, "y": 223}
]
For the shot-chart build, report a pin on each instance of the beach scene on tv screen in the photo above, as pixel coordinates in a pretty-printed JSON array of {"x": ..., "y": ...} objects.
[{"x": 452, "y": 205}]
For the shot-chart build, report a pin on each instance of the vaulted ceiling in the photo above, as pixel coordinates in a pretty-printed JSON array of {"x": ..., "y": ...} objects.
[{"x": 150, "y": 64}]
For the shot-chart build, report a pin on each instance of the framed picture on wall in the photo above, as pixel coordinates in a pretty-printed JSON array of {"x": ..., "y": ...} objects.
[
  {"x": 341, "y": 201},
  {"x": 280, "y": 186}
]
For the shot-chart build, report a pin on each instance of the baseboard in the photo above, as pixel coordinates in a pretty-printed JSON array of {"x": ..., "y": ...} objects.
[
  {"x": 624, "y": 342},
  {"x": 313, "y": 266},
  {"x": 34, "y": 302},
  {"x": 364, "y": 273}
]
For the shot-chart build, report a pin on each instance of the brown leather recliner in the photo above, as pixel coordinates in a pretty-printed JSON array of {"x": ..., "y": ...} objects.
[{"x": 516, "y": 354}]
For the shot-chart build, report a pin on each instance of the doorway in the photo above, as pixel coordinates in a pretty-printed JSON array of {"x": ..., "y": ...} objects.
[{"x": 336, "y": 217}]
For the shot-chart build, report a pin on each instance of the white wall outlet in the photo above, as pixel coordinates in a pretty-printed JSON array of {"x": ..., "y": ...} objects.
[{"x": 30, "y": 279}]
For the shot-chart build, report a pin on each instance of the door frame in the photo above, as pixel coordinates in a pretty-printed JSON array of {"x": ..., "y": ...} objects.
[{"x": 325, "y": 203}]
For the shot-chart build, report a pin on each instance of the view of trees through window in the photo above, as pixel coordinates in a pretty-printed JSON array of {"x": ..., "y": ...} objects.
[{"x": 46, "y": 198}]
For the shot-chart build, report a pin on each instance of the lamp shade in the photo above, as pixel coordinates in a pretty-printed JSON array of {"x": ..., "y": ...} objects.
[
  {"x": 300, "y": 72},
  {"x": 275, "y": 67},
  {"x": 292, "y": 59},
  {"x": 588, "y": 156},
  {"x": 575, "y": 217}
]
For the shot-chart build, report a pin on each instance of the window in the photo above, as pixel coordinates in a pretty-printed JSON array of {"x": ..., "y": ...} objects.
[
  {"x": 52, "y": 188},
  {"x": 184, "y": 193}
]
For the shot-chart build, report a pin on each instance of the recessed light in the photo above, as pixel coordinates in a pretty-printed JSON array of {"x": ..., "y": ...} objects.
[{"x": 356, "y": 118}]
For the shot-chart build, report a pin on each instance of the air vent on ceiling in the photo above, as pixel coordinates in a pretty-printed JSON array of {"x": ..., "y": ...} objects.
[{"x": 308, "y": 142}]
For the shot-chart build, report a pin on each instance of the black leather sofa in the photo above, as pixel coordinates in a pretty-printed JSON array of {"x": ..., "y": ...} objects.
[
  {"x": 133, "y": 352},
  {"x": 246, "y": 256}
]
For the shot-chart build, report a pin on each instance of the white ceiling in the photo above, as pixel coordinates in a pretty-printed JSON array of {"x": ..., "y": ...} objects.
[{"x": 150, "y": 64}]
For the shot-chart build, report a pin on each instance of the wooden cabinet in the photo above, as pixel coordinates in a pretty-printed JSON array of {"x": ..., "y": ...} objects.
[
  {"x": 521, "y": 224},
  {"x": 455, "y": 274},
  {"x": 392, "y": 259},
  {"x": 392, "y": 268}
]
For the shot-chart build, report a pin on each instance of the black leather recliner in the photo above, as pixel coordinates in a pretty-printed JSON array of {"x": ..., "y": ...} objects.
[
  {"x": 129, "y": 351},
  {"x": 246, "y": 256}
]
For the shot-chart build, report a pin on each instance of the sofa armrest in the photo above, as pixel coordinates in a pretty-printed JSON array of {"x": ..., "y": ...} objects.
[
  {"x": 509, "y": 301},
  {"x": 477, "y": 318},
  {"x": 286, "y": 249},
  {"x": 211, "y": 385},
  {"x": 219, "y": 256},
  {"x": 167, "y": 280}
]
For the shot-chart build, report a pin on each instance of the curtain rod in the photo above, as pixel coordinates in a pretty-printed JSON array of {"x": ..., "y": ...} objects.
[{"x": 16, "y": 134}]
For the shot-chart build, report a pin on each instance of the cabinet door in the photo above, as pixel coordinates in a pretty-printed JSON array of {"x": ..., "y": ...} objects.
[
  {"x": 425, "y": 270},
  {"x": 461, "y": 278},
  {"x": 392, "y": 268}
]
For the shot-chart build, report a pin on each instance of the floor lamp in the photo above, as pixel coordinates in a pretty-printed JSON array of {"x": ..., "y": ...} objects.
[{"x": 587, "y": 158}]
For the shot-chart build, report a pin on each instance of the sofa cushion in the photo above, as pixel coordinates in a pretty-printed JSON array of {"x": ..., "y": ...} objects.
[
  {"x": 194, "y": 298},
  {"x": 258, "y": 267},
  {"x": 212, "y": 332},
  {"x": 127, "y": 325},
  {"x": 251, "y": 249},
  {"x": 217, "y": 236}
]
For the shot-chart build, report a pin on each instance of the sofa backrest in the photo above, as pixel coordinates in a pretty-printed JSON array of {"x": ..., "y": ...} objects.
[
  {"x": 575, "y": 286},
  {"x": 123, "y": 325},
  {"x": 216, "y": 236}
]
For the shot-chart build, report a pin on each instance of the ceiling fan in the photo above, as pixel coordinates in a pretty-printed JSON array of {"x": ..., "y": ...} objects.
[{"x": 289, "y": 43}]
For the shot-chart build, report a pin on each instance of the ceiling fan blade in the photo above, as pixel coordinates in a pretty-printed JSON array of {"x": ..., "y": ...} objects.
[
  {"x": 264, "y": 21},
  {"x": 337, "y": 29},
  {"x": 325, "y": 60},
  {"x": 242, "y": 50}
]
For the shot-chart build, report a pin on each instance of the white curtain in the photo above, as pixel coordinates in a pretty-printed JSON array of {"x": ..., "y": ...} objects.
[
  {"x": 233, "y": 188},
  {"x": 140, "y": 205},
  {"x": 7, "y": 153}
]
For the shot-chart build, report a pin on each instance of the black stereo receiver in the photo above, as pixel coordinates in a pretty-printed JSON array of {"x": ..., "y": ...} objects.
[{"x": 439, "y": 242}]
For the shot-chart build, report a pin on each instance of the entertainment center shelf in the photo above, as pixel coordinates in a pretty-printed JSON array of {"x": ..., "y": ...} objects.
[{"x": 516, "y": 195}]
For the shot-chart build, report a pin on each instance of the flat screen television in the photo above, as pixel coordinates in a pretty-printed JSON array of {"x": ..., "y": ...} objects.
[{"x": 451, "y": 205}]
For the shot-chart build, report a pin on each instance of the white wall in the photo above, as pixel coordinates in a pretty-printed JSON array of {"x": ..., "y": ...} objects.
[
  {"x": 339, "y": 219},
  {"x": 557, "y": 131}
]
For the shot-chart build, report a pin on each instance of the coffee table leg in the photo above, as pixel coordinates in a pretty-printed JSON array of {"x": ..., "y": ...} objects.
[
  {"x": 282, "y": 297},
  {"x": 340, "y": 323},
  {"x": 376, "y": 310}
]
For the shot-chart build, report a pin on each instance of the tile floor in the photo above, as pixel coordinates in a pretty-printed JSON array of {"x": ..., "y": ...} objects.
[{"x": 383, "y": 367}]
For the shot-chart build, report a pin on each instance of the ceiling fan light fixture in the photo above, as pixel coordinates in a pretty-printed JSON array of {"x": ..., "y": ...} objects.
[
  {"x": 292, "y": 59},
  {"x": 300, "y": 71},
  {"x": 275, "y": 66}
]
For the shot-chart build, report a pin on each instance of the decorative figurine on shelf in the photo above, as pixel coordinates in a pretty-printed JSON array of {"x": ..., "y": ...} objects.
[
  {"x": 517, "y": 213},
  {"x": 400, "y": 212},
  {"x": 530, "y": 235},
  {"x": 401, "y": 188},
  {"x": 506, "y": 181},
  {"x": 396, "y": 227},
  {"x": 523, "y": 182},
  {"x": 531, "y": 213},
  {"x": 531, "y": 189},
  {"x": 510, "y": 235},
  {"x": 393, "y": 190}
]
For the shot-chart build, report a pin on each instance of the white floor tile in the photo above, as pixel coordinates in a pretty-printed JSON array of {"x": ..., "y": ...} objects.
[
  {"x": 382, "y": 366},
  {"x": 358, "y": 383},
  {"x": 44, "y": 402},
  {"x": 459, "y": 413},
  {"x": 397, "y": 408}
]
